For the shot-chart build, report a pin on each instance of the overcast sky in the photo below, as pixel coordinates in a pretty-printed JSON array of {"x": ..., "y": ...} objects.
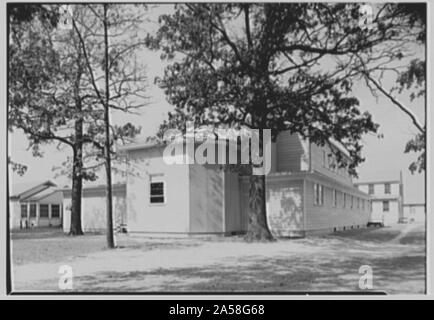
[{"x": 384, "y": 157}]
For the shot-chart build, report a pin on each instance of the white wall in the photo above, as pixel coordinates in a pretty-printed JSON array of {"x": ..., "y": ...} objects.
[
  {"x": 284, "y": 206},
  {"x": 379, "y": 189},
  {"x": 388, "y": 218},
  {"x": 14, "y": 214},
  {"x": 142, "y": 216},
  {"x": 207, "y": 201},
  {"x": 328, "y": 216},
  {"x": 415, "y": 213},
  {"x": 93, "y": 206}
]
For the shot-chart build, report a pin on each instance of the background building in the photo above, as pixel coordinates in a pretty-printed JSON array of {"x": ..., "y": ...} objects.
[
  {"x": 35, "y": 205},
  {"x": 415, "y": 212},
  {"x": 387, "y": 197}
]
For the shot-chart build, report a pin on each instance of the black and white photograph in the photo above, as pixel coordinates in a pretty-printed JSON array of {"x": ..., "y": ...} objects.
[{"x": 216, "y": 148}]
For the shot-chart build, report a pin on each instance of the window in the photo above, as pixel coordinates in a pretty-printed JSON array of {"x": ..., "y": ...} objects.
[
  {"x": 363, "y": 204},
  {"x": 24, "y": 211},
  {"x": 55, "y": 211},
  {"x": 387, "y": 188},
  {"x": 33, "y": 210},
  {"x": 358, "y": 203},
  {"x": 345, "y": 201},
  {"x": 332, "y": 164},
  {"x": 385, "y": 206},
  {"x": 318, "y": 194},
  {"x": 352, "y": 201},
  {"x": 371, "y": 189},
  {"x": 412, "y": 210},
  {"x": 156, "y": 191},
  {"x": 315, "y": 194},
  {"x": 43, "y": 211},
  {"x": 335, "y": 198},
  {"x": 324, "y": 158}
]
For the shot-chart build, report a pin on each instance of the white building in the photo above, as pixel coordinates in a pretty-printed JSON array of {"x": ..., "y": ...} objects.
[
  {"x": 35, "y": 205},
  {"x": 305, "y": 193},
  {"x": 386, "y": 198},
  {"x": 415, "y": 212}
]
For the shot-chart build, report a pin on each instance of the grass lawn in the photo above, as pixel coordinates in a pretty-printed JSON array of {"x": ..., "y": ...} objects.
[{"x": 224, "y": 264}]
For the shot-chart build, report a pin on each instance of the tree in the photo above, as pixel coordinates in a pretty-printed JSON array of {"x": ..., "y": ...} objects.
[
  {"x": 277, "y": 66},
  {"x": 52, "y": 97},
  {"x": 44, "y": 99},
  {"x": 413, "y": 77},
  {"x": 118, "y": 47}
]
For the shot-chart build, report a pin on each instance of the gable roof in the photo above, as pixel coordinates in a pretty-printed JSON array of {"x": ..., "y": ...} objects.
[
  {"x": 24, "y": 190},
  {"x": 379, "y": 176},
  {"x": 41, "y": 195}
]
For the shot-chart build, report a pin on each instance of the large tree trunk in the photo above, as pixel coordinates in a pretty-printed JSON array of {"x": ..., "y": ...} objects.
[
  {"x": 257, "y": 227},
  {"x": 77, "y": 165},
  {"x": 77, "y": 186},
  {"x": 109, "y": 196}
]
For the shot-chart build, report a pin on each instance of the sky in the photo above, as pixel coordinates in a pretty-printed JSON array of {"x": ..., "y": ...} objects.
[{"x": 384, "y": 157}]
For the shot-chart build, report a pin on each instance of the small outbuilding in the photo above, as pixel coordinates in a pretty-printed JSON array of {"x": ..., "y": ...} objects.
[{"x": 35, "y": 205}]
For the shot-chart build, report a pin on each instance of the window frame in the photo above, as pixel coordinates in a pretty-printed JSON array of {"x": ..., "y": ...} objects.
[
  {"x": 324, "y": 159},
  {"x": 21, "y": 211},
  {"x": 157, "y": 179},
  {"x": 318, "y": 190},
  {"x": 57, "y": 205},
  {"x": 335, "y": 198},
  {"x": 387, "y": 188},
  {"x": 371, "y": 185},
  {"x": 388, "y": 206},
  {"x": 40, "y": 210},
  {"x": 33, "y": 205}
]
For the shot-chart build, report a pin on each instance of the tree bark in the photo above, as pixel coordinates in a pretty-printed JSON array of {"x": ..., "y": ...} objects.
[
  {"x": 257, "y": 227},
  {"x": 77, "y": 186},
  {"x": 109, "y": 196},
  {"x": 77, "y": 164}
]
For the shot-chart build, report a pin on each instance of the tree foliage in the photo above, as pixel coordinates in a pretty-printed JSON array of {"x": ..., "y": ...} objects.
[
  {"x": 279, "y": 66},
  {"x": 55, "y": 77},
  {"x": 258, "y": 65}
]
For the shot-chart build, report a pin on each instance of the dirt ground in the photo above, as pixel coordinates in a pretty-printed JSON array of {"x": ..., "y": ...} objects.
[{"x": 222, "y": 264}]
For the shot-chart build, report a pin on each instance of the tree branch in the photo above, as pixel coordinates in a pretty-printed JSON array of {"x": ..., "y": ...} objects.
[{"x": 397, "y": 103}]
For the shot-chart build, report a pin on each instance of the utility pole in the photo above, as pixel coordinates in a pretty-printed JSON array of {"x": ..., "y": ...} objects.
[{"x": 109, "y": 196}]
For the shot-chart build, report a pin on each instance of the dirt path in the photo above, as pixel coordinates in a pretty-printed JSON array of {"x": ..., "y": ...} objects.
[
  {"x": 329, "y": 263},
  {"x": 407, "y": 230}
]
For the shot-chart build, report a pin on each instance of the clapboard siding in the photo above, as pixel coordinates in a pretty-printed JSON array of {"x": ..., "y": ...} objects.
[
  {"x": 327, "y": 217},
  {"x": 290, "y": 152},
  {"x": 317, "y": 154},
  {"x": 285, "y": 206}
]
